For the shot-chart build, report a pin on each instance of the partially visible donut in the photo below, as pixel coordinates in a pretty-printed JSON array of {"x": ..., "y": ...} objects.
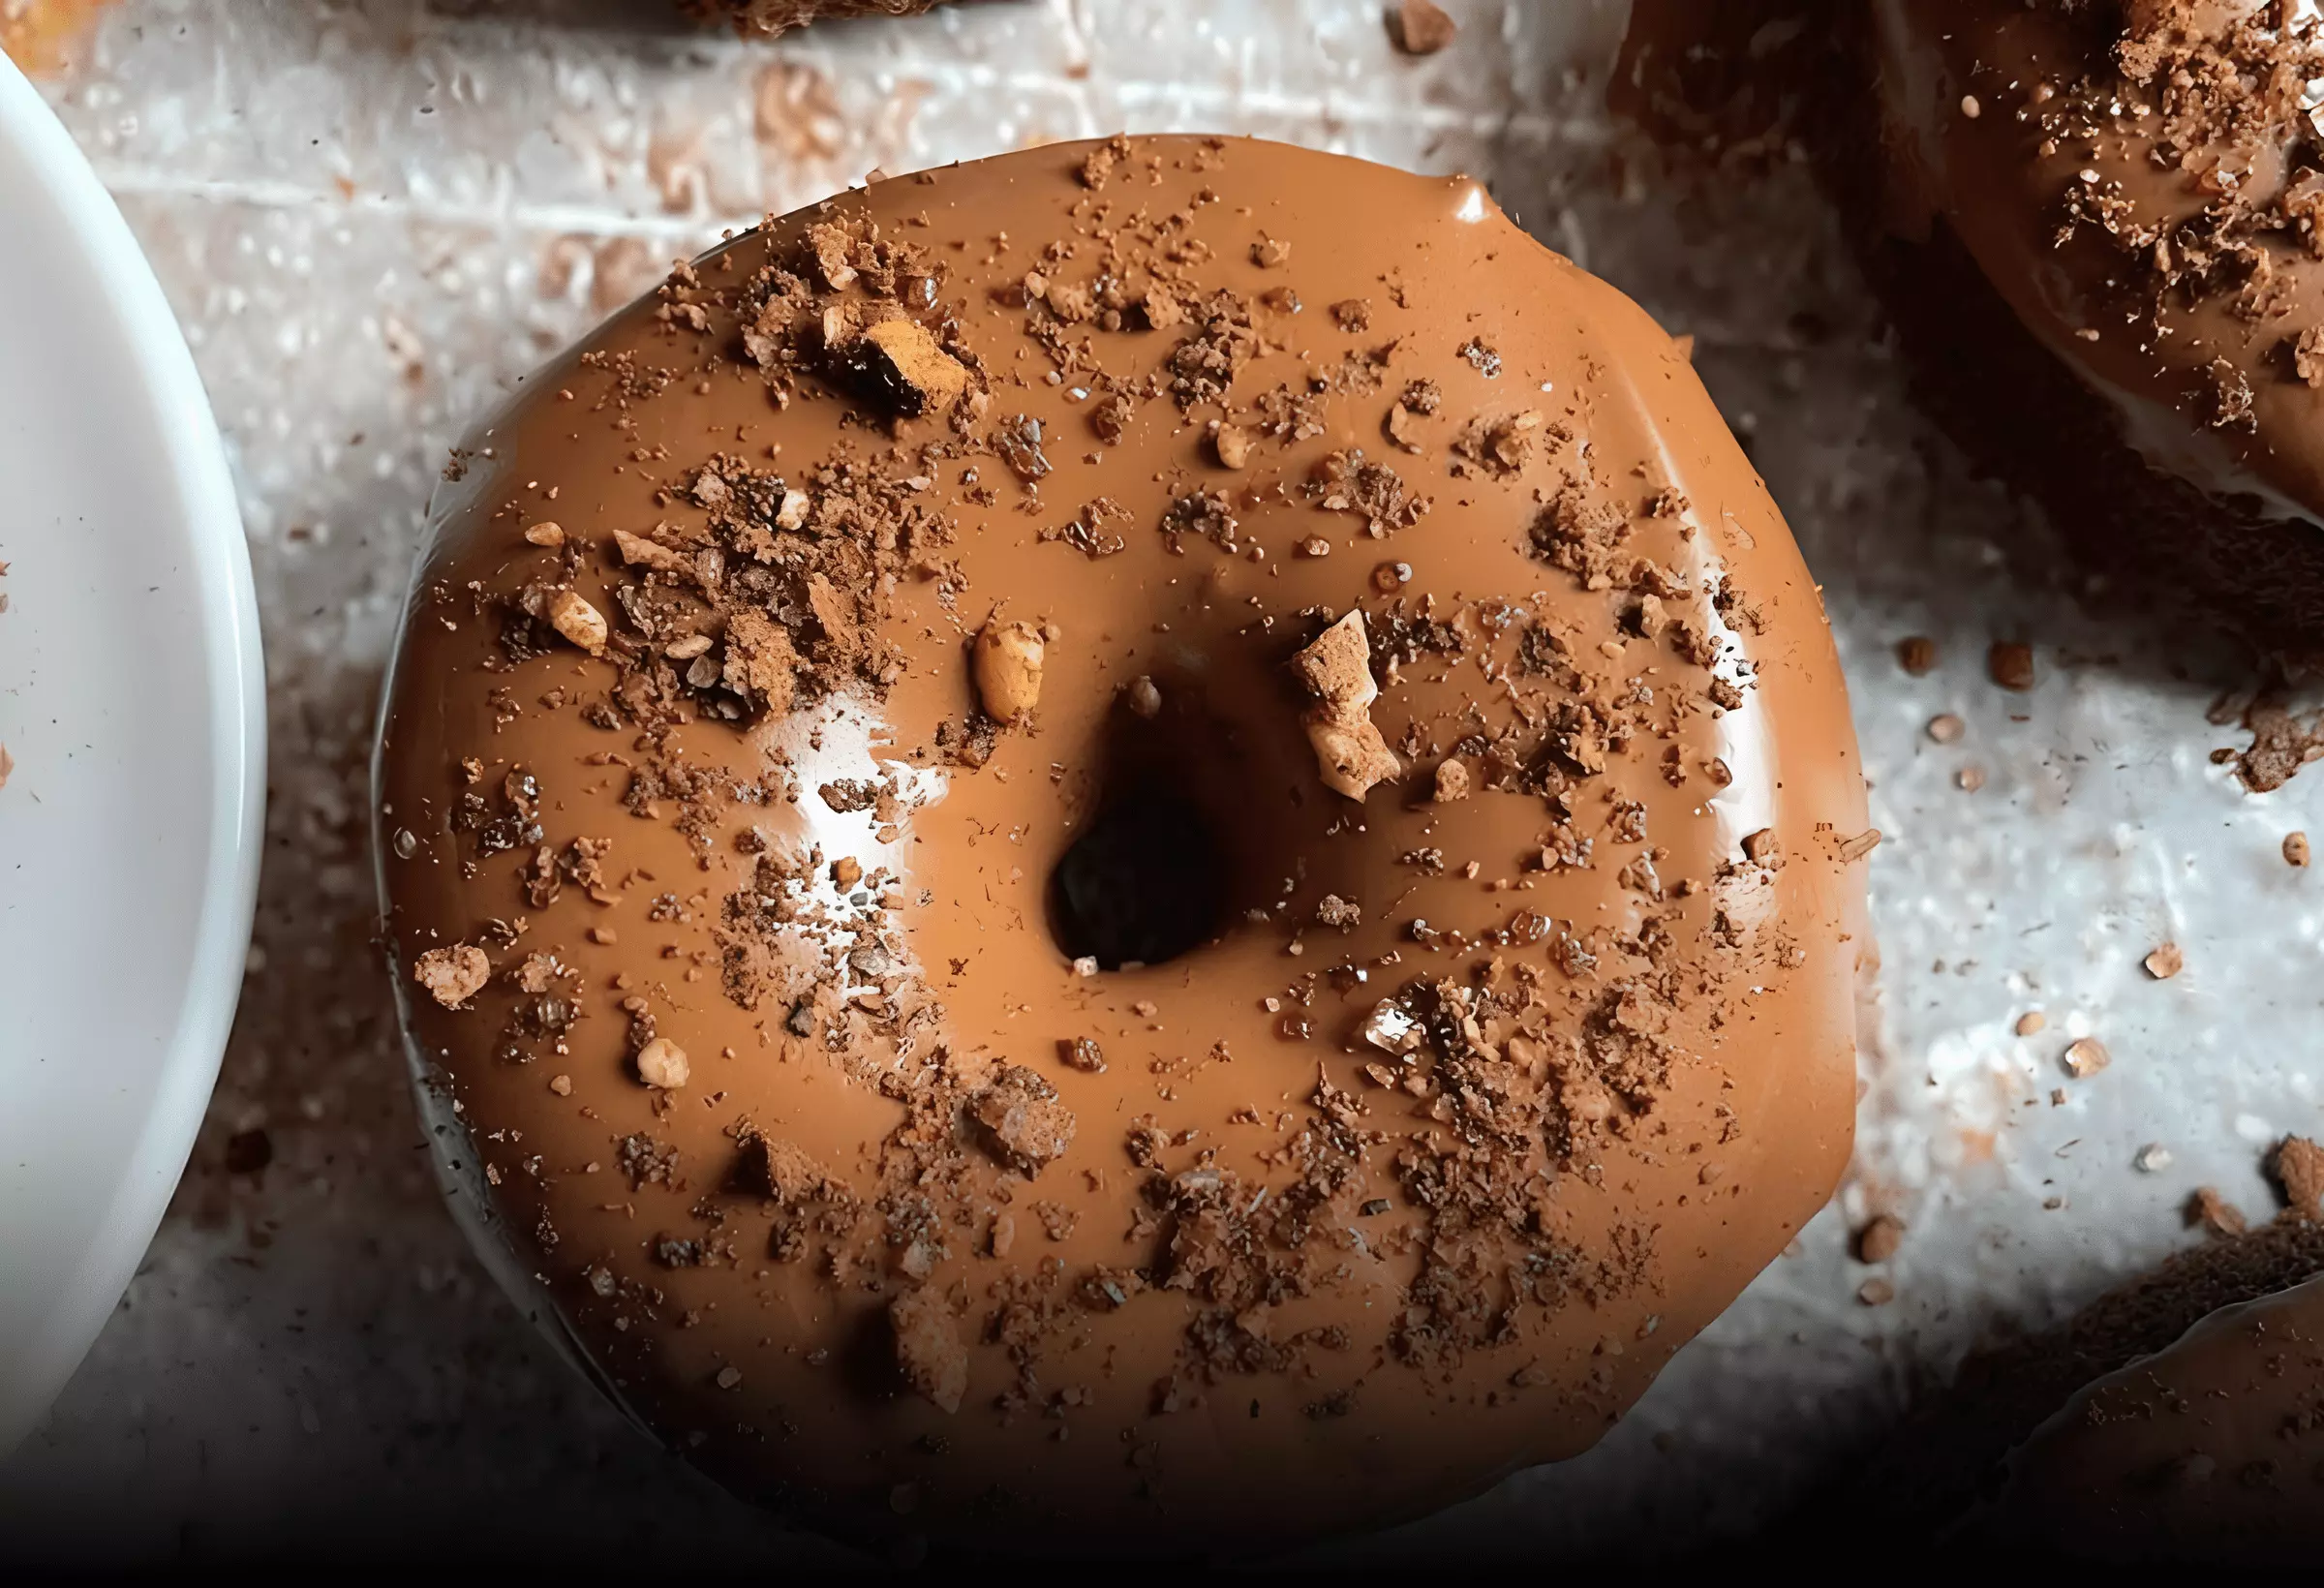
[
  {"x": 2101, "y": 240},
  {"x": 1148, "y": 845}
]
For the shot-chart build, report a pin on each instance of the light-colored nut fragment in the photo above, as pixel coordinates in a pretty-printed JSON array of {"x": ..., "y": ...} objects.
[
  {"x": 1879, "y": 1240},
  {"x": 1452, "y": 781},
  {"x": 571, "y": 616},
  {"x": 2152, "y": 1159},
  {"x": 2295, "y": 849},
  {"x": 1421, "y": 27},
  {"x": 1763, "y": 847},
  {"x": 1270, "y": 252},
  {"x": 2031, "y": 1022},
  {"x": 928, "y": 1348},
  {"x": 453, "y": 975},
  {"x": 1008, "y": 659},
  {"x": 545, "y": 534},
  {"x": 1233, "y": 445},
  {"x": 2086, "y": 1056},
  {"x": 793, "y": 511},
  {"x": 1338, "y": 669},
  {"x": 688, "y": 648},
  {"x": 1946, "y": 728},
  {"x": 662, "y": 1063},
  {"x": 2166, "y": 961}
]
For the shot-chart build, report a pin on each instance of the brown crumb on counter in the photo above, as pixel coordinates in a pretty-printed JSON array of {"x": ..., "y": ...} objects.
[
  {"x": 2215, "y": 1214},
  {"x": 1421, "y": 27},
  {"x": 2297, "y": 1167},
  {"x": 2011, "y": 665}
]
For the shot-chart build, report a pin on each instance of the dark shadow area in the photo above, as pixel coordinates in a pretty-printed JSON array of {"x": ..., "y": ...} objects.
[{"x": 1144, "y": 885}]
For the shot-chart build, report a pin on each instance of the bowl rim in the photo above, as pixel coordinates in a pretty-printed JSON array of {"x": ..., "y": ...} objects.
[{"x": 210, "y": 520}]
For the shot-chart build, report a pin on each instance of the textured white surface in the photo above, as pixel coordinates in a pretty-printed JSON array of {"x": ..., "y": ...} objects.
[
  {"x": 374, "y": 217},
  {"x": 131, "y": 702}
]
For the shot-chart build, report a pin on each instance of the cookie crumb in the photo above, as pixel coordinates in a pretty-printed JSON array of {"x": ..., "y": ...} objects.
[
  {"x": 1452, "y": 781},
  {"x": 1916, "y": 654},
  {"x": 2295, "y": 849},
  {"x": 1877, "y": 1241},
  {"x": 2152, "y": 1159},
  {"x": 2165, "y": 961},
  {"x": 580, "y": 622},
  {"x": 1009, "y": 661},
  {"x": 2086, "y": 1056},
  {"x": 1875, "y": 1292},
  {"x": 2297, "y": 1167},
  {"x": 662, "y": 1063},
  {"x": 1421, "y": 27},
  {"x": 928, "y": 1348},
  {"x": 1946, "y": 729},
  {"x": 2031, "y": 1022},
  {"x": 2011, "y": 665},
  {"x": 1350, "y": 752},
  {"x": 2215, "y": 1214}
]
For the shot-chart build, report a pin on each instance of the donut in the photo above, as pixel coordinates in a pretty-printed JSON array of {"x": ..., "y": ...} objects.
[
  {"x": 1151, "y": 846},
  {"x": 2097, "y": 229}
]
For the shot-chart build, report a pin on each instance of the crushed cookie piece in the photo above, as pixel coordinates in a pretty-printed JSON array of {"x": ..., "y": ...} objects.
[
  {"x": 2217, "y": 1217},
  {"x": 1082, "y": 1053},
  {"x": 1916, "y": 654},
  {"x": 2086, "y": 1056},
  {"x": 551, "y": 535},
  {"x": 1345, "y": 914},
  {"x": 1270, "y": 252},
  {"x": 2295, "y": 849},
  {"x": 928, "y": 1348},
  {"x": 2297, "y": 1167},
  {"x": 1026, "y": 1121},
  {"x": 1452, "y": 781},
  {"x": 571, "y": 616},
  {"x": 1008, "y": 662},
  {"x": 453, "y": 975},
  {"x": 662, "y": 1063},
  {"x": 1879, "y": 1239},
  {"x": 1232, "y": 445},
  {"x": 1763, "y": 847}
]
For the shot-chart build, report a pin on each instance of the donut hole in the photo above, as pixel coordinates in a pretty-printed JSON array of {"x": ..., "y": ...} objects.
[{"x": 1145, "y": 883}]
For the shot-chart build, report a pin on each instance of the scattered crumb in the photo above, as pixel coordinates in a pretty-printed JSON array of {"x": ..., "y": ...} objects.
[
  {"x": 2165, "y": 961},
  {"x": 2295, "y": 845},
  {"x": 2217, "y": 1215},
  {"x": 2011, "y": 665},
  {"x": 1419, "y": 27},
  {"x": 928, "y": 1348},
  {"x": 1877, "y": 1241},
  {"x": 662, "y": 1063},
  {"x": 2031, "y": 1022},
  {"x": 1452, "y": 781},
  {"x": 1875, "y": 1292},
  {"x": 2152, "y": 1159},
  {"x": 1969, "y": 778},
  {"x": 1946, "y": 729},
  {"x": 1009, "y": 658},
  {"x": 1916, "y": 654},
  {"x": 2297, "y": 1167},
  {"x": 2086, "y": 1056}
]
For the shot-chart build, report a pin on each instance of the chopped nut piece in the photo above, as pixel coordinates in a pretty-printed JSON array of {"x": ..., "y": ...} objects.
[
  {"x": 579, "y": 622},
  {"x": 1027, "y": 1122},
  {"x": 1916, "y": 654},
  {"x": 1009, "y": 658},
  {"x": 2011, "y": 666},
  {"x": 453, "y": 975},
  {"x": 2165, "y": 963},
  {"x": 1233, "y": 445},
  {"x": 1082, "y": 1054},
  {"x": 846, "y": 873},
  {"x": 547, "y": 534},
  {"x": 1856, "y": 848},
  {"x": 730, "y": 1377},
  {"x": 2152, "y": 1159},
  {"x": 1332, "y": 910},
  {"x": 793, "y": 512},
  {"x": 1877, "y": 1241},
  {"x": 1315, "y": 545},
  {"x": 662, "y": 1063},
  {"x": 561, "y": 1084},
  {"x": 1142, "y": 697},
  {"x": 1763, "y": 847},
  {"x": 1969, "y": 778},
  {"x": 1946, "y": 729},
  {"x": 2295, "y": 849},
  {"x": 639, "y": 552},
  {"x": 1267, "y": 253},
  {"x": 2032, "y": 1021},
  {"x": 688, "y": 648},
  {"x": 1421, "y": 27},
  {"x": 1338, "y": 669},
  {"x": 929, "y": 1347},
  {"x": 1875, "y": 1292},
  {"x": 1452, "y": 781},
  {"x": 2086, "y": 1056}
]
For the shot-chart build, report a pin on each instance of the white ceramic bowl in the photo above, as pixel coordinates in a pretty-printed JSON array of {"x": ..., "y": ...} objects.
[{"x": 132, "y": 703}]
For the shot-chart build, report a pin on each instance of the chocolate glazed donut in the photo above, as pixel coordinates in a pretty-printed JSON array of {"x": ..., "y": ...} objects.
[
  {"x": 1150, "y": 846},
  {"x": 2095, "y": 224}
]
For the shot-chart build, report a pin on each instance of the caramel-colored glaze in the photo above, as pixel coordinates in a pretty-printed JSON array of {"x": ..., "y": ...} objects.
[
  {"x": 782, "y": 1380},
  {"x": 2212, "y": 1450},
  {"x": 1991, "y": 180}
]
